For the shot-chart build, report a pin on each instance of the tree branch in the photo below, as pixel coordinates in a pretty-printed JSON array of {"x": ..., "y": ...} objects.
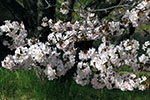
[{"x": 103, "y": 8}]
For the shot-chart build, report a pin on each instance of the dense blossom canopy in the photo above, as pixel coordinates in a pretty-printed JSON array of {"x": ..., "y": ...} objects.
[{"x": 96, "y": 65}]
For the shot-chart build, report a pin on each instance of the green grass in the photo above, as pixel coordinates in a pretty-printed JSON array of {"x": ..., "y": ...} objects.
[{"x": 24, "y": 85}]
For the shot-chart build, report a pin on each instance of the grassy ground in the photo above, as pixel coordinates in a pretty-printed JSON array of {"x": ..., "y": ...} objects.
[{"x": 24, "y": 85}]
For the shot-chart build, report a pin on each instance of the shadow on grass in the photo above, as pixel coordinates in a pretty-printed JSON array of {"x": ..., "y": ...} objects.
[{"x": 24, "y": 85}]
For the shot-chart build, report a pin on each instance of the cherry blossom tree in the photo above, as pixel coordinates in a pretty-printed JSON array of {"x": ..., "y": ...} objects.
[{"x": 96, "y": 42}]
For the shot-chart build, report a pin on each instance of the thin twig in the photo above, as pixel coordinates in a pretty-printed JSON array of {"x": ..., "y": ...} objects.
[
  {"x": 48, "y": 4},
  {"x": 109, "y": 8}
]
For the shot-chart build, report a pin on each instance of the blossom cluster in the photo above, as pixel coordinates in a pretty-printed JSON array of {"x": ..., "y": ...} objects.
[
  {"x": 95, "y": 65},
  {"x": 139, "y": 14},
  {"x": 40, "y": 54},
  {"x": 16, "y": 33},
  {"x": 64, "y": 8}
]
